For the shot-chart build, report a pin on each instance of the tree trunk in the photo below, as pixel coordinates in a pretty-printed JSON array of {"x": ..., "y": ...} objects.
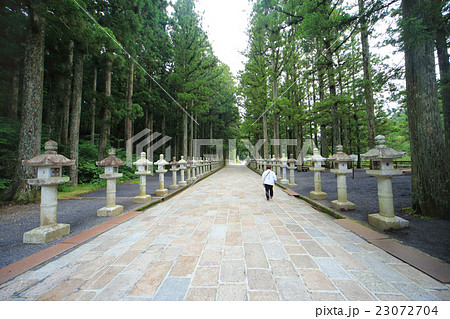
[
  {"x": 31, "y": 114},
  {"x": 444, "y": 70},
  {"x": 276, "y": 114},
  {"x": 324, "y": 144},
  {"x": 76, "y": 114},
  {"x": 358, "y": 140},
  {"x": 345, "y": 133},
  {"x": 128, "y": 122},
  {"x": 104, "y": 133},
  {"x": 429, "y": 182},
  {"x": 49, "y": 111},
  {"x": 66, "y": 102},
  {"x": 149, "y": 125},
  {"x": 14, "y": 101},
  {"x": 332, "y": 88},
  {"x": 185, "y": 134},
  {"x": 192, "y": 133},
  {"x": 266, "y": 136},
  {"x": 93, "y": 102},
  {"x": 367, "y": 81}
]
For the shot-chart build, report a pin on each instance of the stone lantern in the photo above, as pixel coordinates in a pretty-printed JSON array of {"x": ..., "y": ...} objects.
[
  {"x": 317, "y": 160},
  {"x": 111, "y": 165},
  {"x": 49, "y": 167},
  {"x": 161, "y": 191},
  {"x": 383, "y": 165},
  {"x": 291, "y": 162},
  {"x": 201, "y": 168},
  {"x": 272, "y": 164},
  {"x": 182, "y": 168},
  {"x": 188, "y": 170},
  {"x": 341, "y": 169},
  {"x": 194, "y": 167},
  {"x": 174, "y": 171},
  {"x": 283, "y": 164},
  {"x": 142, "y": 171},
  {"x": 277, "y": 164}
]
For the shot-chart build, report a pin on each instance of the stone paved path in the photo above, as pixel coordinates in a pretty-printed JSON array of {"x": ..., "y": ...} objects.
[{"x": 221, "y": 240}]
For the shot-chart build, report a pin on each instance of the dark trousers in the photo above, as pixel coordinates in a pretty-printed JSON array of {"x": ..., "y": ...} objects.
[{"x": 269, "y": 191}]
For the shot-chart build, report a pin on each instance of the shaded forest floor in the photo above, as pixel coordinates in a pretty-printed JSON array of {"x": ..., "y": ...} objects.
[{"x": 431, "y": 236}]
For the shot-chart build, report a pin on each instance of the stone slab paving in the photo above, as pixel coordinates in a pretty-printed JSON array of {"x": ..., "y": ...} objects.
[{"x": 221, "y": 240}]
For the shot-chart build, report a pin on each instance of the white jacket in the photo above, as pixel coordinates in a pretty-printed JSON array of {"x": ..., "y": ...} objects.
[{"x": 269, "y": 177}]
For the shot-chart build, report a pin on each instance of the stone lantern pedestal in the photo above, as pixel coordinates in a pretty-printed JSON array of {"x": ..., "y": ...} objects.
[
  {"x": 161, "y": 191},
  {"x": 142, "y": 172},
  {"x": 341, "y": 169},
  {"x": 291, "y": 162},
  {"x": 49, "y": 167},
  {"x": 111, "y": 165},
  {"x": 283, "y": 162},
  {"x": 174, "y": 171},
  {"x": 317, "y": 168},
  {"x": 383, "y": 164}
]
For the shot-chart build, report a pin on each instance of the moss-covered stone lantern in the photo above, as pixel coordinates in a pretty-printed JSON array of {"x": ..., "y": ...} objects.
[
  {"x": 341, "y": 168},
  {"x": 49, "y": 167},
  {"x": 383, "y": 165},
  {"x": 142, "y": 165},
  {"x": 111, "y": 165}
]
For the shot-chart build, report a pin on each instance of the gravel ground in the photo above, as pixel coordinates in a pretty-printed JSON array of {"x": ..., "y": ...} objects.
[
  {"x": 428, "y": 235},
  {"x": 80, "y": 213}
]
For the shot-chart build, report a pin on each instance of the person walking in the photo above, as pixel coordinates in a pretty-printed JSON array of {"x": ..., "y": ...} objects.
[{"x": 269, "y": 178}]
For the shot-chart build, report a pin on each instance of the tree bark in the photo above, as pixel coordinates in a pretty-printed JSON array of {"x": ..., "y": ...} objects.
[
  {"x": 367, "y": 80},
  {"x": 192, "y": 133},
  {"x": 32, "y": 103},
  {"x": 185, "y": 134},
  {"x": 276, "y": 114},
  {"x": 128, "y": 122},
  {"x": 104, "y": 133},
  {"x": 66, "y": 102},
  {"x": 429, "y": 181},
  {"x": 266, "y": 136},
  {"x": 14, "y": 101},
  {"x": 76, "y": 113},
  {"x": 334, "y": 106},
  {"x": 324, "y": 144},
  {"x": 93, "y": 102}
]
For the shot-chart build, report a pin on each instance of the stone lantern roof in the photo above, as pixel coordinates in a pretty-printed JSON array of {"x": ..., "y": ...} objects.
[
  {"x": 340, "y": 156},
  {"x": 50, "y": 157},
  {"x": 316, "y": 157},
  {"x": 143, "y": 161},
  {"x": 161, "y": 161},
  {"x": 182, "y": 161},
  {"x": 111, "y": 160},
  {"x": 291, "y": 159},
  {"x": 174, "y": 161},
  {"x": 381, "y": 151}
]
